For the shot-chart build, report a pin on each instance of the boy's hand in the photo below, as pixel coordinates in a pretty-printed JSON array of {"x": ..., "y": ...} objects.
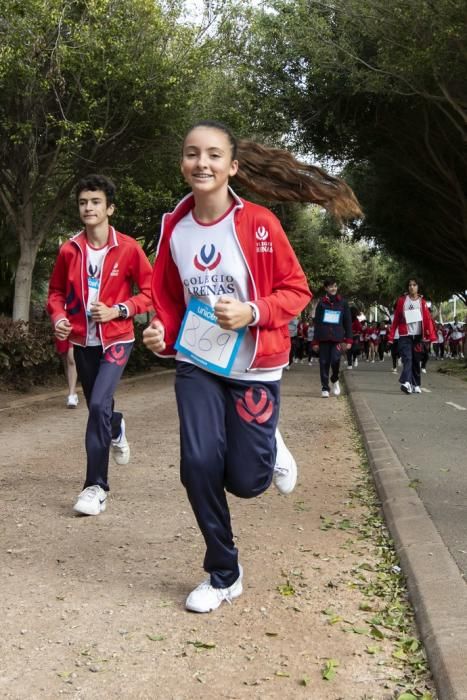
[
  {"x": 232, "y": 314},
  {"x": 102, "y": 313},
  {"x": 153, "y": 336},
  {"x": 63, "y": 329}
]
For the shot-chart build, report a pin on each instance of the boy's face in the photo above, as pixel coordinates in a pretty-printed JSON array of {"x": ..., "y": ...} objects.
[
  {"x": 93, "y": 209},
  {"x": 332, "y": 289}
]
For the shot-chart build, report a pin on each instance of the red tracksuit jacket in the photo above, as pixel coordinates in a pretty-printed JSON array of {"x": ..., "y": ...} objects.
[
  {"x": 125, "y": 264},
  {"x": 277, "y": 283},
  {"x": 399, "y": 322}
]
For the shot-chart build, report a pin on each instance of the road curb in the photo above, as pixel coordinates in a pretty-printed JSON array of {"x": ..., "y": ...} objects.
[{"x": 437, "y": 590}]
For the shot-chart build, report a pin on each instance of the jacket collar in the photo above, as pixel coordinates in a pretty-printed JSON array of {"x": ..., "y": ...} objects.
[
  {"x": 186, "y": 204},
  {"x": 80, "y": 238}
]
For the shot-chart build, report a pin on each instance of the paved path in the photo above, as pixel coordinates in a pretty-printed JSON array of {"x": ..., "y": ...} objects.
[{"x": 417, "y": 448}]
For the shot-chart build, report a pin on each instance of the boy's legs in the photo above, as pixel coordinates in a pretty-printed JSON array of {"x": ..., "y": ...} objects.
[
  {"x": 99, "y": 374},
  {"x": 324, "y": 364},
  {"x": 335, "y": 361}
]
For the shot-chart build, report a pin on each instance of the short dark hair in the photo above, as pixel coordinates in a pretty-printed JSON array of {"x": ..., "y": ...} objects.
[
  {"x": 412, "y": 278},
  {"x": 96, "y": 182},
  {"x": 328, "y": 281}
]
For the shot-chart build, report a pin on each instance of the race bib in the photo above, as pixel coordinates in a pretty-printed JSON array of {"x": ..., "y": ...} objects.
[
  {"x": 205, "y": 342},
  {"x": 331, "y": 316},
  {"x": 412, "y": 315}
]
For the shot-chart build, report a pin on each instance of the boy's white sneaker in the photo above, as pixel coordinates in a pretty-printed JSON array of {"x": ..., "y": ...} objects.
[
  {"x": 205, "y": 597},
  {"x": 72, "y": 401},
  {"x": 91, "y": 501},
  {"x": 325, "y": 394},
  {"x": 417, "y": 389},
  {"x": 285, "y": 468},
  {"x": 336, "y": 389},
  {"x": 120, "y": 448},
  {"x": 406, "y": 387}
]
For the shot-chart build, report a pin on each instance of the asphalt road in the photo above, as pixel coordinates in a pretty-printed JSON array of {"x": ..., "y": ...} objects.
[{"x": 428, "y": 432}]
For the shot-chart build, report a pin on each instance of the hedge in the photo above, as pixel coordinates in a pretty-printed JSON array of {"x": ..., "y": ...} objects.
[{"x": 28, "y": 357}]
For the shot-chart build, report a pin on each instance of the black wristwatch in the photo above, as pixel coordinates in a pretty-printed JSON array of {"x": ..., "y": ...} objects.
[{"x": 122, "y": 310}]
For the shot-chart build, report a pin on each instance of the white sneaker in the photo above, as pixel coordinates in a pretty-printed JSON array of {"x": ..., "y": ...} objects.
[
  {"x": 72, "y": 401},
  {"x": 285, "y": 468},
  {"x": 325, "y": 394},
  {"x": 310, "y": 362},
  {"x": 417, "y": 389},
  {"x": 91, "y": 501},
  {"x": 406, "y": 387},
  {"x": 355, "y": 363},
  {"x": 394, "y": 371},
  {"x": 120, "y": 448},
  {"x": 423, "y": 370},
  {"x": 399, "y": 362},
  {"x": 349, "y": 366},
  {"x": 336, "y": 389},
  {"x": 205, "y": 597}
]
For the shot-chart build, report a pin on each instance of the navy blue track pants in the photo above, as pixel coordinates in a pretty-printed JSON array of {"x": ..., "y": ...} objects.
[
  {"x": 329, "y": 359},
  {"x": 227, "y": 441},
  {"x": 99, "y": 373},
  {"x": 411, "y": 351}
]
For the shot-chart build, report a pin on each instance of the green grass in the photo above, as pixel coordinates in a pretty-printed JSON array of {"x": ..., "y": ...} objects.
[{"x": 455, "y": 368}]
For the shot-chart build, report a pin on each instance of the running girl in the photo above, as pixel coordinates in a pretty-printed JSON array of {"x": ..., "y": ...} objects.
[{"x": 226, "y": 283}]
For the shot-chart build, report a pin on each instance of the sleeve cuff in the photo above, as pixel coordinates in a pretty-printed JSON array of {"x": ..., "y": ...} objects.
[{"x": 255, "y": 314}]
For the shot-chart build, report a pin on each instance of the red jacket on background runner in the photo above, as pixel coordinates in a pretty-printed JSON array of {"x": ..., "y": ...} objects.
[
  {"x": 124, "y": 262},
  {"x": 399, "y": 323}
]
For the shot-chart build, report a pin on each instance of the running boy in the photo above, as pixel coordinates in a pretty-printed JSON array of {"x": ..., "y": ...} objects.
[
  {"x": 91, "y": 303},
  {"x": 226, "y": 283}
]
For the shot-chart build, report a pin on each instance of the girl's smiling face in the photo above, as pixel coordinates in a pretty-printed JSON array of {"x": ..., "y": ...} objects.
[{"x": 207, "y": 161}]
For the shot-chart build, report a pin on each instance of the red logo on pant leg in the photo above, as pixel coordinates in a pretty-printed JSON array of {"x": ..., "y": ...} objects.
[
  {"x": 250, "y": 410},
  {"x": 116, "y": 354}
]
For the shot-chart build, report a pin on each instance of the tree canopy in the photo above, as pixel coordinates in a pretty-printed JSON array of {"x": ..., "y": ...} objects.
[{"x": 382, "y": 88}]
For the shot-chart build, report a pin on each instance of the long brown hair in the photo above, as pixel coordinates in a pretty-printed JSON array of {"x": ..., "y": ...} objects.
[{"x": 277, "y": 175}]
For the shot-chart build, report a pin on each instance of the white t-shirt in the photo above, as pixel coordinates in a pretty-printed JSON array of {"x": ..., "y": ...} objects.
[
  {"x": 211, "y": 264},
  {"x": 94, "y": 260},
  {"x": 413, "y": 315}
]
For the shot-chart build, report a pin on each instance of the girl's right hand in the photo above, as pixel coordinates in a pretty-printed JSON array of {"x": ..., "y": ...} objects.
[{"x": 153, "y": 336}]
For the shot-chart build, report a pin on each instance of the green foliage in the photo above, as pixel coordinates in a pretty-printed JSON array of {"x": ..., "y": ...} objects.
[
  {"x": 27, "y": 354},
  {"x": 86, "y": 86},
  {"x": 383, "y": 89},
  {"x": 366, "y": 275}
]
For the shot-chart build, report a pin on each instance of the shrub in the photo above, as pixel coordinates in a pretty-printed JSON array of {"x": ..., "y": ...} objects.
[
  {"x": 27, "y": 353},
  {"x": 28, "y": 357}
]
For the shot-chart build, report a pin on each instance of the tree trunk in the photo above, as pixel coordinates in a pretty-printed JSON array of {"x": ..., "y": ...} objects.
[
  {"x": 23, "y": 280},
  {"x": 29, "y": 246}
]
